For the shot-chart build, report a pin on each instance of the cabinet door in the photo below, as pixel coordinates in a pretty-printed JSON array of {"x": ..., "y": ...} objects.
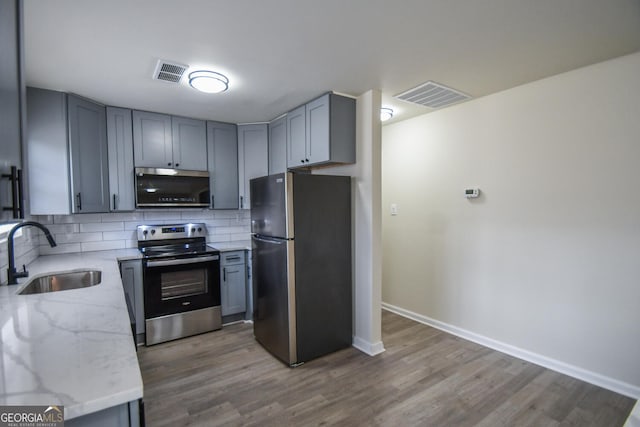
[
  {"x": 120, "y": 147},
  {"x": 189, "y": 143},
  {"x": 131, "y": 272},
  {"x": 233, "y": 283},
  {"x": 296, "y": 138},
  {"x": 88, "y": 147},
  {"x": 12, "y": 85},
  {"x": 152, "y": 141},
  {"x": 317, "y": 137},
  {"x": 48, "y": 152},
  {"x": 278, "y": 146},
  {"x": 253, "y": 155},
  {"x": 222, "y": 155}
]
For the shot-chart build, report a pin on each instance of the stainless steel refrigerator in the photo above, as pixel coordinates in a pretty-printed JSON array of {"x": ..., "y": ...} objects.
[{"x": 301, "y": 250}]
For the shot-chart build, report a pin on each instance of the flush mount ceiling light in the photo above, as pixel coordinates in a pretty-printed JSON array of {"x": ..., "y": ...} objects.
[
  {"x": 208, "y": 81},
  {"x": 385, "y": 114}
]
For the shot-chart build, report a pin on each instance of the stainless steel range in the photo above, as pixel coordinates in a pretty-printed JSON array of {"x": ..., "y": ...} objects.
[{"x": 181, "y": 278}]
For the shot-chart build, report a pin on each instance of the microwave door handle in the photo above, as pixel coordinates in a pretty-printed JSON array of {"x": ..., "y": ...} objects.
[{"x": 164, "y": 263}]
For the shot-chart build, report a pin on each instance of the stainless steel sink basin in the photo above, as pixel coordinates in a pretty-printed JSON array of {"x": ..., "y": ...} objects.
[{"x": 62, "y": 281}]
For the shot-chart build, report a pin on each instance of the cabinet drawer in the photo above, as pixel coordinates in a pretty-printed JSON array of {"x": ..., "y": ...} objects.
[{"x": 232, "y": 258}]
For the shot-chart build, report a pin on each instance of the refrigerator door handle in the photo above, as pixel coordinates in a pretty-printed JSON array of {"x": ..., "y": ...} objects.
[{"x": 269, "y": 240}]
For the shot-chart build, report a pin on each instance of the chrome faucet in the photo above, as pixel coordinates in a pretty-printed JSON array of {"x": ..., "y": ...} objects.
[{"x": 12, "y": 274}]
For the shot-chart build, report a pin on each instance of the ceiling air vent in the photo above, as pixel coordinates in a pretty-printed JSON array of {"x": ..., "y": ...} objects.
[
  {"x": 169, "y": 71},
  {"x": 433, "y": 95}
]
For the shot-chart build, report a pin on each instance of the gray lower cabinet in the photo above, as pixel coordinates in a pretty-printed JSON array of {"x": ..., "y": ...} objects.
[
  {"x": 222, "y": 161},
  {"x": 162, "y": 141},
  {"x": 131, "y": 273},
  {"x": 322, "y": 132},
  {"x": 120, "y": 148},
  {"x": 126, "y": 415},
  {"x": 11, "y": 101},
  {"x": 67, "y": 154},
  {"x": 233, "y": 282},
  {"x": 253, "y": 158},
  {"x": 278, "y": 146}
]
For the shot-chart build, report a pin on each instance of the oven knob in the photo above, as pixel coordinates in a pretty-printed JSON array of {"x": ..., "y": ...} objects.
[
  {"x": 153, "y": 231},
  {"x": 199, "y": 229},
  {"x": 193, "y": 231}
]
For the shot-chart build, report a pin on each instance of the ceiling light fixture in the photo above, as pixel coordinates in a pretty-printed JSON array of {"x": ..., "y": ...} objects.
[
  {"x": 208, "y": 81},
  {"x": 385, "y": 114}
]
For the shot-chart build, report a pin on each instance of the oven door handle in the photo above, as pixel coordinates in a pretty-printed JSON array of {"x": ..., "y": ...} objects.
[{"x": 163, "y": 263}]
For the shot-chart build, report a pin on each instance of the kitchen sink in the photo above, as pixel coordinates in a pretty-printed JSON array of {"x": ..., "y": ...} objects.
[{"x": 62, "y": 281}]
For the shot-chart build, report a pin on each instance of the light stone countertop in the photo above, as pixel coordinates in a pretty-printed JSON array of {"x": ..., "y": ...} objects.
[
  {"x": 240, "y": 245},
  {"x": 71, "y": 348}
]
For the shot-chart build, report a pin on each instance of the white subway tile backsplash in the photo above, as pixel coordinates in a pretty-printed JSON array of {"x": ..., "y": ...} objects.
[
  {"x": 227, "y": 214},
  {"x": 63, "y": 228},
  {"x": 240, "y": 236},
  {"x": 78, "y": 218},
  {"x": 64, "y": 248},
  {"x": 212, "y": 223},
  {"x": 133, "y": 225},
  {"x": 101, "y": 226},
  {"x": 161, "y": 215},
  {"x": 92, "y": 232},
  {"x": 122, "y": 216},
  {"x": 102, "y": 246},
  {"x": 196, "y": 215},
  {"x": 218, "y": 238},
  {"x": 229, "y": 230},
  {"x": 73, "y": 238},
  {"x": 119, "y": 235}
]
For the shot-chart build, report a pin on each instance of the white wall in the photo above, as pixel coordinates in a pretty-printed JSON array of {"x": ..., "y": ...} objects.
[
  {"x": 547, "y": 261},
  {"x": 366, "y": 223}
]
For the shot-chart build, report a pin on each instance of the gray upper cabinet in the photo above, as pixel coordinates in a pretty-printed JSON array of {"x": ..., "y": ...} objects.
[
  {"x": 11, "y": 102},
  {"x": 67, "y": 154},
  {"x": 278, "y": 146},
  {"x": 189, "y": 143},
  {"x": 162, "y": 141},
  {"x": 222, "y": 159},
  {"x": 120, "y": 147},
  {"x": 152, "y": 140},
  {"x": 253, "y": 158},
  {"x": 296, "y": 134},
  {"x": 325, "y": 135},
  {"x": 89, "y": 158}
]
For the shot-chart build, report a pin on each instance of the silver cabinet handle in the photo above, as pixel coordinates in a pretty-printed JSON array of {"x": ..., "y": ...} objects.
[{"x": 163, "y": 263}]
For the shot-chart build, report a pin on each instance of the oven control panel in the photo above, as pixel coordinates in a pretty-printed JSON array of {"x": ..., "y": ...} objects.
[{"x": 171, "y": 231}]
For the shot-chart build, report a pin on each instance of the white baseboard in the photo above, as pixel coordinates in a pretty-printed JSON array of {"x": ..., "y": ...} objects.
[
  {"x": 634, "y": 417},
  {"x": 367, "y": 347},
  {"x": 612, "y": 384}
]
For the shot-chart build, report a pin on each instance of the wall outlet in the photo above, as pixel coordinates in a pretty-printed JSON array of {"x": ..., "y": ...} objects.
[{"x": 394, "y": 209}]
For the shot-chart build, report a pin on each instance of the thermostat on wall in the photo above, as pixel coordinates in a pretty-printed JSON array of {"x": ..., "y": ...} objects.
[{"x": 470, "y": 193}]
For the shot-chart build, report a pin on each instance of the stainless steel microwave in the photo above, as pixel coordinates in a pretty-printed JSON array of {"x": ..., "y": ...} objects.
[{"x": 162, "y": 188}]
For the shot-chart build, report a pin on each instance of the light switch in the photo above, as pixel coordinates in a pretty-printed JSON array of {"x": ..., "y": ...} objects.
[{"x": 394, "y": 209}]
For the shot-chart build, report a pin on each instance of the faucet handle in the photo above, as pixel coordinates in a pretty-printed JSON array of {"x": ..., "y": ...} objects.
[{"x": 23, "y": 273}]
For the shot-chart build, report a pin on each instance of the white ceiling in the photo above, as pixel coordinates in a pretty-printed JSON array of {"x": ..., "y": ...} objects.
[{"x": 279, "y": 54}]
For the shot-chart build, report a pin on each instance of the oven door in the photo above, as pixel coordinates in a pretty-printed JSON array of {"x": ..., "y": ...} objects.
[{"x": 177, "y": 285}]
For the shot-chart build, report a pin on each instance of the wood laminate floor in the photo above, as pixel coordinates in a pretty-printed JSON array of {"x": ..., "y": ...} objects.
[{"x": 425, "y": 377}]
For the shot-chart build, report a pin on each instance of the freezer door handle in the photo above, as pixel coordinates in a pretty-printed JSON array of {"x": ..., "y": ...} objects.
[{"x": 269, "y": 240}]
